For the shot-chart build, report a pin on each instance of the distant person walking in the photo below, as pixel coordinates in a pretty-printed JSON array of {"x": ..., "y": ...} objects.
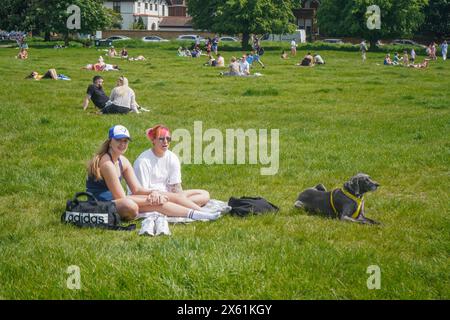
[
  {"x": 444, "y": 48},
  {"x": 293, "y": 48},
  {"x": 215, "y": 44},
  {"x": 413, "y": 56},
  {"x": 363, "y": 48}
]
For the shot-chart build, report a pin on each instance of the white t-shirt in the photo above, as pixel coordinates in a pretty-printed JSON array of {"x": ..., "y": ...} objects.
[
  {"x": 157, "y": 173},
  {"x": 220, "y": 61},
  {"x": 293, "y": 44},
  {"x": 244, "y": 67}
]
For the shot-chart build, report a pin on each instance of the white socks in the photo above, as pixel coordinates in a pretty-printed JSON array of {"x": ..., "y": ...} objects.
[{"x": 203, "y": 215}]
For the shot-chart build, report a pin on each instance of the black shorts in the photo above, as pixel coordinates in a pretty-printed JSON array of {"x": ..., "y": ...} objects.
[{"x": 112, "y": 108}]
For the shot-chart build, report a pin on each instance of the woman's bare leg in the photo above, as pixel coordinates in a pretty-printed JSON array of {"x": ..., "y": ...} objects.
[
  {"x": 127, "y": 208},
  {"x": 198, "y": 196},
  {"x": 170, "y": 209},
  {"x": 182, "y": 199}
]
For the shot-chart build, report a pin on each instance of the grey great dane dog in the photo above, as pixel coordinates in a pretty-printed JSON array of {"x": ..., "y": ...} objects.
[{"x": 346, "y": 203}]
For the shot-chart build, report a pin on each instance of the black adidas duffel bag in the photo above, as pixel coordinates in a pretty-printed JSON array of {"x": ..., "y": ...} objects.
[{"x": 92, "y": 213}]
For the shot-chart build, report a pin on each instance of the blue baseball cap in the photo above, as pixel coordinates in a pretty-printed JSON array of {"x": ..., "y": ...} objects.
[{"x": 119, "y": 132}]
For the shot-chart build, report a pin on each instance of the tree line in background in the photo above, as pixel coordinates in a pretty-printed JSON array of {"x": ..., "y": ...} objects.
[
  {"x": 399, "y": 18},
  {"x": 50, "y": 16}
]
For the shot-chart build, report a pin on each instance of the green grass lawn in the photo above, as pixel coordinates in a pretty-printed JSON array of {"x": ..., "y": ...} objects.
[{"x": 334, "y": 120}]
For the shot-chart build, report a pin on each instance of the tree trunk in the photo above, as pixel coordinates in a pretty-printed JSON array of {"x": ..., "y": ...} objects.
[
  {"x": 66, "y": 39},
  {"x": 47, "y": 36},
  {"x": 373, "y": 44},
  {"x": 245, "y": 38}
]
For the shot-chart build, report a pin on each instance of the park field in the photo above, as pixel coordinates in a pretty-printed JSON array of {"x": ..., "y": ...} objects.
[{"x": 334, "y": 121}]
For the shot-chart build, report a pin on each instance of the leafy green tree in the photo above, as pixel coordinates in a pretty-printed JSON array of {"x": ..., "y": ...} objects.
[
  {"x": 51, "y": 16},
  {"x": 139, "y": 25},
  {"x": 243, "y": 16},
  {"x": 437, "y": 18},
  {"x": 399, "y": 18}
]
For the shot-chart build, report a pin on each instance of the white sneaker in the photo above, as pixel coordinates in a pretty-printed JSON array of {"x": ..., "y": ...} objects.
[
  {"x": 216, "y": 205},
  {"x": 162, "y": 226},
  {"x": 148, "y": 227}
]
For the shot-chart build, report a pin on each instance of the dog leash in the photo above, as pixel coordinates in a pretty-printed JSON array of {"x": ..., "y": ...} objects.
[{"x": 359, "y": 202}]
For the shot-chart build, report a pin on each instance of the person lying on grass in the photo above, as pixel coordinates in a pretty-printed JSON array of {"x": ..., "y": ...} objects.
[
  {"x": 422, "y": 65},
  {"x": 50, "y": 74},
  {"x": 106, "y": 170},
  {"x": 284, "y": 55},
  {"x": 138, "y": 58},
  {"x": 101, "y": 66},
  {"x": 158, "y": 168}
]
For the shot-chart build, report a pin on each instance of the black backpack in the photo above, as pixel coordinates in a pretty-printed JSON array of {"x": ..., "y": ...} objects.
[
  {"x": 247, "y": 205},
  {"x": 261, "y": 51},
  {"x": 93, "y": 213}
]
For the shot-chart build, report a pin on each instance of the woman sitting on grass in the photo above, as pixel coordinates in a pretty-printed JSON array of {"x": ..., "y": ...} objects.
[
  {"x": 220, "y": 61},
  {"x": 23, "y": 54},
  {"x": 122, "y": 99},
  {"x": 124, "y": 53},
  {"x": 233, "y": 68},
  {"x": 387, "y": 60},
  {"x": 112, "y": 53},
  {"x": 159, "y": 168},
  {"x": 106, "y": 170}
]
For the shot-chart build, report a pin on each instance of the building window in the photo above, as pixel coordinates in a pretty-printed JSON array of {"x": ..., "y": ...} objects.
[
  {"x": 151, "y": 6},
  {"x": 146, "y": 6},
  {"x": 153, "y": 26},
  {"x": 156, "y": 7},
  {"x": 116, "y": 6},
  {"x": 163, "y": 10}
]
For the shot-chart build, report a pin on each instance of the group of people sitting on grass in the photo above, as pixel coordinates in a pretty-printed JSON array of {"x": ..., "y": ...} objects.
[
  {"x": 241, "y": 67},
  {"x": 196, "y": 52},
  {"x": 154, "y": 181},
  {"x": 405, "y": 60},
  {"x": 215, "y": 62},
  {"x": 310, "y": 60},
  {"x": 112, "y": 53},
  {"x": 122, "y": 99}
]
